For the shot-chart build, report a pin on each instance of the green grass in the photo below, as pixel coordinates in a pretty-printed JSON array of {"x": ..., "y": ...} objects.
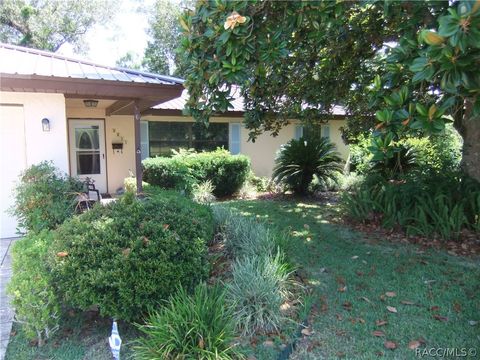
[
  {"x": 325, "y": 253},
  {"x": 333, "y": 256},
  {"x": 83, "y": 336}
]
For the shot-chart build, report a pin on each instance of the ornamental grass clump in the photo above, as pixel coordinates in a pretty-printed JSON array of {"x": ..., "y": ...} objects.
[
  {"x": 259, "y": 286},
  {"x": 243, "y": 236},
  {"x": 197, "y": 326}
]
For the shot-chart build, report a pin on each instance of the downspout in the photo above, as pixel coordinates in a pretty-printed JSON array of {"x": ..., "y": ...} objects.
[{"x": 138, "y": 149}]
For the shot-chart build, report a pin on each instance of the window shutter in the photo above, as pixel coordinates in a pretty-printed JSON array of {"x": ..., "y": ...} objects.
[
  {"x": 298, "y": 132},
  {"x": 326, "y": 131},
  {"x": 144, "y": 143},
  {"x": 234, "y": 145}
]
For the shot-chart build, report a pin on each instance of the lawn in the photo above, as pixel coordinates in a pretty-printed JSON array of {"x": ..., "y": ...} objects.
[
  {"x": 353, "y": 279},
  {"x": 81, "y": 336},
  {"x": 434, "y": 296}
]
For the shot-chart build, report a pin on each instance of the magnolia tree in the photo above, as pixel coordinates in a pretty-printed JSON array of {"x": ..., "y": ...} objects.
[{"x": 398, "y": 68}]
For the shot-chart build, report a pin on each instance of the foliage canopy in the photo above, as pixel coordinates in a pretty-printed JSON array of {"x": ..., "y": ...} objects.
[{"x": 408, "y": 66}]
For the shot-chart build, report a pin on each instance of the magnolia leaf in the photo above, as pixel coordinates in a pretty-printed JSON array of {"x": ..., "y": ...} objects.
[
  {"x": 307, "y": 332},
  {"x": 378, "y": 333},
  {"x": 391, "y": 293},
  {"x": 390, "y": 345},
  {"x": 392, "y": 309},
  {"x": 414, "y": 344}
]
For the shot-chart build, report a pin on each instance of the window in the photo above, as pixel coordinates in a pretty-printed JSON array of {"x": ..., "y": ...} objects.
[
  {"x": 165, "y": 136},
  {"x": 316, "y": 131}
]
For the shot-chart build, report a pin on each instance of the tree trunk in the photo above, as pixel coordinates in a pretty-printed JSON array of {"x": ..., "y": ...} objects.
[{"x": 469, "y": 129}]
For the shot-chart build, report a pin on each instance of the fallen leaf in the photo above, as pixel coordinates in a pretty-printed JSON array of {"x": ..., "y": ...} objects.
[
  {"x": 342, "y": 289},
  {"x": 126, "y": 251},
  {"x": 306, "y": 332},
  {"x": 440, "y": 318},
  {"x": 406, "y": 302},
  {"x": 361, "y": 321},
  {"x": 306, "y": 226},
  {"x": 434, "y": 308},
  {"x": 166, "y": 226},
  {"x": 378, "y": 333},
  {"x": 62, "y": 254},
  {"x": 347, "y": 305},
  {"x": 381, "y": 322},
  {"x": 340, "y": 317},
  {"x": 340, "y": 354},
  {"x": 379, "y": 353},
  {"x": 457, "y": 307},
  {"x": 365, "y": 299},
  {"x": 412, "y": 345},
  {"x": 382, "y": 297},
  {"x": 359, "y": 273},
  {"x": 472, "y": 322},
  {"x": 201, "y": 344},
  {"x": 355, "y": 257},
  {"x": 390, "y": 345},
  {"x": 268, "y": 343},
  {"x": 391, "y": 294},
  {"x": 392, "y": 309}
]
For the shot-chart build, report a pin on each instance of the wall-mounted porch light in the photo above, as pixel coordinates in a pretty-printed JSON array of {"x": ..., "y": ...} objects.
[
  {"x": 90, "y": 103},
  {"x": 45, "y": 124}
]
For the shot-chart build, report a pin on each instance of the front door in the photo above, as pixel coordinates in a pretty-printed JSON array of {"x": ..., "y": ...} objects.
[{"x": 87, "y": 151}]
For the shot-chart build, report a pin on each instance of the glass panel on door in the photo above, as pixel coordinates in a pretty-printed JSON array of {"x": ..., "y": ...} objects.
[{"x": 87, "y": 150}]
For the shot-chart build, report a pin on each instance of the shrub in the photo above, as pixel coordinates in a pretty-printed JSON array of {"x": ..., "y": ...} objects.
[
  {"x": 168, "y": 173},
  {"x": 36, "y": 305},
  {"x": 203, "y": 193},
  {"x": 127, "y": 256},
  {"x": 404, "y": 160},
  {"x": 130, "y": 184},
  {"x": 226, "y": 172},
  {"x": 420, "y": 205},
  {"x": 259, "y": 286},
  {"x": 45, "y": 198},
  {"x": 299, "y": 161},
  {"x": 261, "y": 184},
  {"x": 196, "y": 327},
  {"x": 435, "y": 154}
]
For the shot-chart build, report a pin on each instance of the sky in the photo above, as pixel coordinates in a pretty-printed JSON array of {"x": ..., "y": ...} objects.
[{"x": 126, "y": 32}]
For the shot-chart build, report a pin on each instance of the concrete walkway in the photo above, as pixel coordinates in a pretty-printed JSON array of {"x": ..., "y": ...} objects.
[{"x": 6, "y": 313}]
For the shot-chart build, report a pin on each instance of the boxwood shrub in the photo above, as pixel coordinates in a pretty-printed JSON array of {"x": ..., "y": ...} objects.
[
  {"x": 226, "y": 172},
  {"x": 132, "y": 254}
]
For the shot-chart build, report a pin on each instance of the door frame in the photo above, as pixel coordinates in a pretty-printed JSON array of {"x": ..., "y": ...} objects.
[{"x": 104, "y": 140}]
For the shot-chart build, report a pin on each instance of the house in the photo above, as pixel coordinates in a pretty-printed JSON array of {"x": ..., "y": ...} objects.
[{"x": 99, "y": 122}]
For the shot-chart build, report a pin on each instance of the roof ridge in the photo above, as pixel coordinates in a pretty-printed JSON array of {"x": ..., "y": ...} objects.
[{"x": 88, "y": 62}]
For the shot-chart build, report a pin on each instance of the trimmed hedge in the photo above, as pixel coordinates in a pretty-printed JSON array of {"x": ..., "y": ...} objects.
[
  {"x": 130, "y": 255},
  {"x": 226, "y": 172}
]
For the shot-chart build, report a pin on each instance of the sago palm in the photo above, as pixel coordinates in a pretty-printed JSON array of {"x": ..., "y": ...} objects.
[{"x": 300, "y": 160}]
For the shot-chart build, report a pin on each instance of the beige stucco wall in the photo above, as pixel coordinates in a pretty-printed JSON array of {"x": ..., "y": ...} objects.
[
  {"x": 118, "y": 128},
  {"x": 262, "y": 153},
  {"x": 41, "y": 145}
]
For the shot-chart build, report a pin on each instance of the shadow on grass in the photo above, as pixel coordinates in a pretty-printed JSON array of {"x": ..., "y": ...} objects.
[{"x": 435, "y": 295}]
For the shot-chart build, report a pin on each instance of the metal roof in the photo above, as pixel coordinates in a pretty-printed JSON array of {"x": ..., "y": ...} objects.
[
  {"x": 237, "y": 103},
  {"x": 179, "y": 103},
  {"x": 17, "y": 60}
]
